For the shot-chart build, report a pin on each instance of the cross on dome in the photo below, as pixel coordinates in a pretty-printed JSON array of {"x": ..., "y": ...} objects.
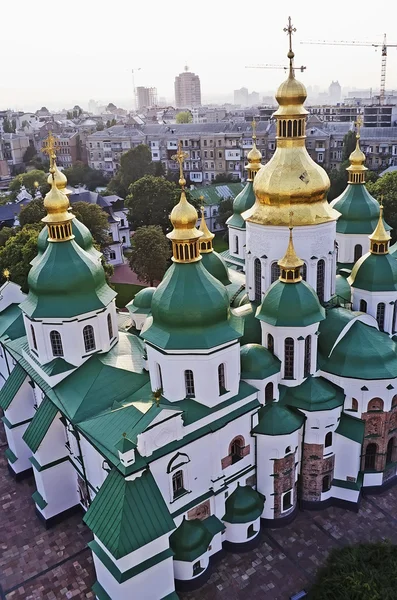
[
  {"x": 50, "y": 147},
  {"x": 179, "y": 157}
]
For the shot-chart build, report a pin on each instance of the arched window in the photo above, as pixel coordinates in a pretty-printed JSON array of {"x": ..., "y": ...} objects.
[
  {"x": 375, "y": 404},
  {"x": 236, "y": 244},
  {"x": 389, "y": 451},
  {"x": 320, "y": 279},
  {"x": 269, "y": 393},
  {"x": 89, "y": 338},
  {"x": 177, "y": 484},
  {"x": 110, "y": 326},
  {"x": 394, "y": 317},
  {"x": 33, "y": 337},
  {"x": 287, "y": 501},
  {"x": 394, "y": 401},
  {"x": 236, "y": 449},
  {"x": 363, "y": 306},
  {"x": 328, "y": 439},
  {"x": 258, "y": 280},
  {"x": 56, "y": 343},
  {"x": 189, "y": 384},
  {"x": 288, "y": 450},
  {"x": 304, "y": 271},
  {"x": 270, "y": 343},
  {"x": 380, "y": 315},
  {"x": 274, "y": 272},
  {"x": 370, "y": 456},
  {"x": 354, "y": 404},
  {"x": 307, "y": 363},
  {"x": 250, "y": 531},
  {"x": 289, "y": 358},
  {"x": 326, "y": 483},
  {"x": 358, "y": 252},
  {"x": 221, "y": 378}
]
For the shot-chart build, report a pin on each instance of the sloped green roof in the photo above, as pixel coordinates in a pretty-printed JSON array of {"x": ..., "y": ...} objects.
[
  {"x": 66, "y": 282},
  {"x": 330, "y": 329},
  {"x": 190, "y": 540},
  {"x": 227, "y": 256},
  {"x": 126, "y": 515},
  {"x": 40, "y": 424},
  {"x": 54, "y": 367},
  {"x": 142, "y": 301},
  {"x": 244, "y": 505},
  {"x": 242, "y": 202},
  {"x": 362, "y": 353},
  {"x": 190, "y": 309},
  {"x": 257, "y": 362},
  {"x": 316, "y": 393},
  {"x": 276, "y": 419},
  {"x": 290, "y": 305},
  {"x": 215, "y": 264},
  {"x": 393, "y": 250},
  {"x": 351, "y": 428},
  {"x": 214, "y": 194},
  {"x": 11, "y": 322},
  {"x": 252, "y": 326},
  {"x": 375, "y": 273},
  {"x": 343, "y": 289},
  {"x": 359, "y": 210},
  {"x": 11, "y": 386},
  {"x": 82, "y": 236}
]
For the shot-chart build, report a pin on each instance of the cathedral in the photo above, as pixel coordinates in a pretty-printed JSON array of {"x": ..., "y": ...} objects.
[{"x": 240, "y": 390}]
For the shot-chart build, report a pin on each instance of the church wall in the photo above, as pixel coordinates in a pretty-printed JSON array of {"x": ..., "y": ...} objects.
[
  {"x": 237, "y": 533},
  {"x": 93, "y": 462},
  {"x": 240, "y": 234},
  {"x": 260, "y": 385},
  {"x": 21, "y": 409},
  {"x": 347, "y": 458},
  {"x": 52, "y": 447},
  {"x": 183, "y": 570},
  {"x": 346, "y": 245},
  {"x": 138, "y": 556},
  {"x": 58, "y": 487},
  {"x": 315, "y": 466},
  {"x": 372, "y": 299}
]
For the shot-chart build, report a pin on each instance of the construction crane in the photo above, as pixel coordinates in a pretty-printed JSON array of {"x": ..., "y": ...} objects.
[
  {"x": 383, "y": 45},
  {"x": 301, "y": 69}
]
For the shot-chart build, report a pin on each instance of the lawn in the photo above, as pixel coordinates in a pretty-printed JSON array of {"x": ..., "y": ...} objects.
[
  {"x": 125, "y": 293},
  {"x": 219, "y": 243}
]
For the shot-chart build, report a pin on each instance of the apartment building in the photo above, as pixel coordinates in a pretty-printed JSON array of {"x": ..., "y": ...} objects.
[
  {"x": 13, "y": 147},
  {"x": 187, "y": 89}
]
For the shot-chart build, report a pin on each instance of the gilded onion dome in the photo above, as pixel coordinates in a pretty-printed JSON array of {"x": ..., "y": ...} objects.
[
  {"x": 291, "y": 179},
  {"x": 49, "y": 148}
]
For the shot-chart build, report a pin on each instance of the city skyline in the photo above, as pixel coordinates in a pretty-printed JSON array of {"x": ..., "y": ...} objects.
[{"x": 110, "y": 76}]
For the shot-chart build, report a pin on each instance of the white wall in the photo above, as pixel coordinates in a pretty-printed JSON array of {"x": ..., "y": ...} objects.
[
  {"x": 373, "y": 299},
  {"x": 346, "y": 244}
]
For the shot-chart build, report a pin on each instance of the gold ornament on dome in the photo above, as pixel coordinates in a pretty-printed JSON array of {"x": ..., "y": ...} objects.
[
  {"x": 6, "y": 274},
  {"x": 50, "y": 147},
  {"x": 179, "y": 157}
]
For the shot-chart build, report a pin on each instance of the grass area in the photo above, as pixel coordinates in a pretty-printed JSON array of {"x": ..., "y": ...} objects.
[
  {"x": 125, "y": 293},
  {"x": 219, "y": 243}
]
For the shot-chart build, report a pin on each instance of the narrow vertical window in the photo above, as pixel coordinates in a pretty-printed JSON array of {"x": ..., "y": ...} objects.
[
  {"x": 189, "y": 383},
  {"x": 110, "y": 326},
  {"x": 328, "y": 439},
  {"x": 258, "y": 280},
  {"x": 89, "y": 338},
  {"x": 394, "y": 317},
  {"x": 33, "y": 337},
  {"x": 274, "y": 272},
  {"x": 159, "y": 377},
  {"x": 363, "y": 306},
  {"x": 221, "y": 378},
  {"x": 370, "y": 456},
  {"x": 358, "y": 252},
  {"x": 380, "y": 315},
  {"x": 289, "y": 358},
  {"x": 236, "y": 244},
  {"x": 304, "y": 271},
  {"x": 270, "y": 343},
  {"x": 269, "y": 393},
  {"x": 56, "y": 343},
  {"x": 320, "y": 279},
  {"x": 307, "y": 363},
  {"x": 177, "y": 484}
]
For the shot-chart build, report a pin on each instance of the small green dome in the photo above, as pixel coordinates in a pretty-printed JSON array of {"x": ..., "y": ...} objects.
[
  {"x": 359, "y": 210},
  {"x": 244, "y": 505},
  {"x": 81, "y": 234},
  {"x": 375, "y": 273},
  {"x": 290, "y": 305},
  {"x": 316, "y": 393},
  {"x": 215, "y": 265},
  {"x": 142, "y": 301},
  {"x": 190, "y": 540},
  {"x": 342, "y": 287},
  {"x": 66, "y": 282},
  {"x": 257, "y": 362},
  {"x": 276, "y": 419},
  {"x": 242, "y": 202},
  {"x": 252, "y": 327},
  {"x": 190, "y": 309}
]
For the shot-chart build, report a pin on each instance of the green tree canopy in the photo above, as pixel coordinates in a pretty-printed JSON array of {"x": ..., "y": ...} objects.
[
  {"x": 30, "y": 152},
  {"x": 225, "y": 210},
  {"x": 93, "y": 217},
  {"x": 28, "y": 180},
  {"x": 17, "y": 253},
  {"x": 81, "y": 174},
  {"x": 349, "y": 143},
  {"x": 149, "y": 253},
  {"x": 5, "y": 235},
  {"x": 32, "y": 212},
  {"x": 386, "y": 187},
  {"x": 9, "y": 126},
  {"x": 134, "y": 164},
  {"x": 225, "y": 178},
  {"x": 184, "y": 116}
]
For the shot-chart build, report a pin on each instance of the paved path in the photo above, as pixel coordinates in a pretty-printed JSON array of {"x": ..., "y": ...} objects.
[
  {"x": 123, "y": 274},
  {"x": 36, "y": 564}
]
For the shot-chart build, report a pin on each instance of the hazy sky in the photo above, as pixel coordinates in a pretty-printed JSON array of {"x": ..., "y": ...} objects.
[{"x": 59, "y": 54}]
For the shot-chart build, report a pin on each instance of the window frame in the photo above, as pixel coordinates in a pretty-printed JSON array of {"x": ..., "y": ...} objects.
[
  {"x": 89, "y": 338},
  {"x": 56, "y": 343}
]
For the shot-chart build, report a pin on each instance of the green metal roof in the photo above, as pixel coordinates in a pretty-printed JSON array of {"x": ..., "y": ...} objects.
[
  {"x": 351, "y": 428},
  {"x": 331, "y": 328},
  {"x": 142, "y": 301},
  {"x": 276, "y": 419},
  {"x": 228, "y": 257},
  {"x": 359, "y": 210},
  {"x": 190, "y": 310},
  {"x": 363, "y": 353},
  {"x": 82, "y": 236},
  {"x": 11, "y": 386},
  {"x": 252, "y": 326},
  {"x": 66, "y": 282},
  {"x": 54, "y": 367},
  {"x": 244, "y": 505},
  {"x": 40, "y": 424},
  {"x": 190, "y": 540},
  {"x": 11, "y": 322},
  {"x": 290, "y": 305},
  {"x": 343, "y": 288},
  {"x": 242, "y": 202},
  {"x": 214, "y": 194},
  {"x": 126, "y": 515},
  {"x": 258, "y": 362},
  {"x": 316, "y": 393},
  {"x": 215, "y": 264},
  {"x": 375, "y": 273}
]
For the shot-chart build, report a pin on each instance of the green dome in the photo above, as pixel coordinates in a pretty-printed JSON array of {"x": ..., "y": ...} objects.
[
  {"x": 190, "y": 540},
  {"x": 257, "y": 362},
  {"x": 190, "y": 310},
  {"x": 290, "y": 305},
  {"x": 359, "y": 210},
  {"x": 244, "y": 505},
  {"x": 242, "y": 202},
  {"x": 252, "y": 327},
  {"x": 81, "y": 234},
  {"x": 66, "y": 282},
  {"x": 313, "y": 394},
  {"x": 215, "y": 265},
  {"x": 375, "y": 273},
  {"x": 142, "y": 301},
  {"x": 276, "y": 419},
  {"x": 342, "y": 288}
]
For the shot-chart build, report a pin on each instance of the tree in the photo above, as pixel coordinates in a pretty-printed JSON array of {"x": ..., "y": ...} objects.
[
  {"x": 110, "y": 123},
  {"x": 30, "y": 152},
  {"x": 225, "y": 210},
  {"x": 349, "y": 143},
  {"x": 184, "y": 117},
  {"x": 134, "y": 164},
  {"x": 386, "y": 187},
  {"x": 225, "y": 178},
  {"x": 28, "y": 180},
  {"x": 100, "y": 126},
  {"x": 5, "y": 235},
  {"x": 32, "y": 212},
  {"x": 81, "y": 174},
  {"x": 17, "y": 253},
  {"x": 9, "y": 126},
  {"x": 95, "y": 219},
  {"x": 149, "y": 254},
  {"x": 150, "y": 202},
  {"x": 338, "y": 179}
]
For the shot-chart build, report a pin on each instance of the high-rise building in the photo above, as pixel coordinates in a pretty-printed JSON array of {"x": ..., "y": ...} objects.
[
  {"x": 241, "y": 97},
  {"x": 146, "y": 97},
  {"x": 187, "y": 89},
  {"x": 335, "y": 92}
]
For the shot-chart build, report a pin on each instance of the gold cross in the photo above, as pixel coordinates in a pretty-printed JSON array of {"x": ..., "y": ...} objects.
[
  {"x": 50, "y": 146},
  {"x": 6, "y": 274},
  {"x": 290, "y": 30},
  {"x": 253, "y": 129},
  {"x": 358, "y": 124},
  {"x": 179, "y": 157}
]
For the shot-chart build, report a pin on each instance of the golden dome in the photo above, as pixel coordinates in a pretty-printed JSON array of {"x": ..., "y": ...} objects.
[
  {"x": 291, "y": 95},
  {"x": 57, "y": 206},
  {"x": 290, "y": 264},
  {"x": 184, "y": 218},
  {"x": 357, "y": 157},
  {"x": 207, "y": 234},
  {"x": 356, "y": 170},
  {"x": 59, "y": 177},
  {"x": 254, "y": 155},
  {"x": 380, "y": 238}
]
